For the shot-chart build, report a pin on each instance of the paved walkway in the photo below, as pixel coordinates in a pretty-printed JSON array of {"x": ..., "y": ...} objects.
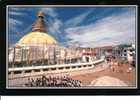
[{"x": 107, "y": 81}]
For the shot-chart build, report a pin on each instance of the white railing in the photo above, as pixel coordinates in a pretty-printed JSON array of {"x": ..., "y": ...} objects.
[{"x": 53, "y": 66}]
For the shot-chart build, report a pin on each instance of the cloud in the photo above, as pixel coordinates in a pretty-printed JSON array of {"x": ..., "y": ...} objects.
[
  {"x": 78, "y": 19},
  {"x": 13, "y": 23},
  {"x": 111, "y": 30},
  {"x": 54, "y": 24},
  {"x": 16, "y": 8},
  {"x": 49, "y": 11},
  {"x": 16, "y": 13}
]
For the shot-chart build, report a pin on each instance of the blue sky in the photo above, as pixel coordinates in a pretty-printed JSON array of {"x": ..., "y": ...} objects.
[{"x": 79, "y": 26}]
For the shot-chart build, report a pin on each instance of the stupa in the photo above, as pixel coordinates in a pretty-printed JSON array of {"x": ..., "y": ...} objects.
[
  {"x": 39, "y": 48},
  {"x": 38, "y": 35}
]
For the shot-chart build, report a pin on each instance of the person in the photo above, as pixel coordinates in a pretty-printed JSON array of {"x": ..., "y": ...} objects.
[
  {"x": 54, "y": 81},
  {"x": 129, "y": 70}
]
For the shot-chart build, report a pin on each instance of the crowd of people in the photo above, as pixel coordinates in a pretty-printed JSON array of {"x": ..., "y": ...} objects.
[
  {"x": 116, "y": 65},
  {"x": 53, "y": 81}
]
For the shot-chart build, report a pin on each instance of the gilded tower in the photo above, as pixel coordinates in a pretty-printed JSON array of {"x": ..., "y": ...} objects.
[
  {"x": 39, "y": 25},
  {"x": 38, "y": 34}
]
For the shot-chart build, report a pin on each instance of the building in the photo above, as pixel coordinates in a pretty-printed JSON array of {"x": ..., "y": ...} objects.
[{"x": 128, "y": 54}]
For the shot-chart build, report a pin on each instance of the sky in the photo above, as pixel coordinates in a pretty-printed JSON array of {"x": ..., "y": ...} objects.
[{"x": 77, "y": 26}]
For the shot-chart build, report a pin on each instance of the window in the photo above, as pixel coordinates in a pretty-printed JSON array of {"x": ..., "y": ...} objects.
[
  {"x": 45, "y": 69},
  {"x": 60, "y": 68},
  {"x": 17, "y": 72},
  {"x": 79, "y": 66},
  {"x": 67, "y": 67},
  {"x": 124, "y": 50},
  {"x": 53, "y": 68},
  {"x": 28, "y": 71},
  {"x": 89, "y": 65},
  {"x": 85, "y": 66},
  {"x": 37, "y": 70},
  {"x": 73, "y": 66},
  {"x": 131, "y": 50},
  {"x": 125, "y": 55}
]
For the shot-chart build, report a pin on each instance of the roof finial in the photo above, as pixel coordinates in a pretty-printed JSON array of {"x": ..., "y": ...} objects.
[
  {"x": 40, "y": 14},
  {"x": 39, "y": 25}
]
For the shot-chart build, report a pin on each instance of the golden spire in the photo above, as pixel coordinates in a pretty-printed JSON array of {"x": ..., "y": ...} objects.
[
  {"x": 39, "y": 25},
  {"x": 40, "y": 14}
]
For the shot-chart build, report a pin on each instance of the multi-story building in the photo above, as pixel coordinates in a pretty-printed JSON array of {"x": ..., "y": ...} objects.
[{"x": 128, "y": 53}]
